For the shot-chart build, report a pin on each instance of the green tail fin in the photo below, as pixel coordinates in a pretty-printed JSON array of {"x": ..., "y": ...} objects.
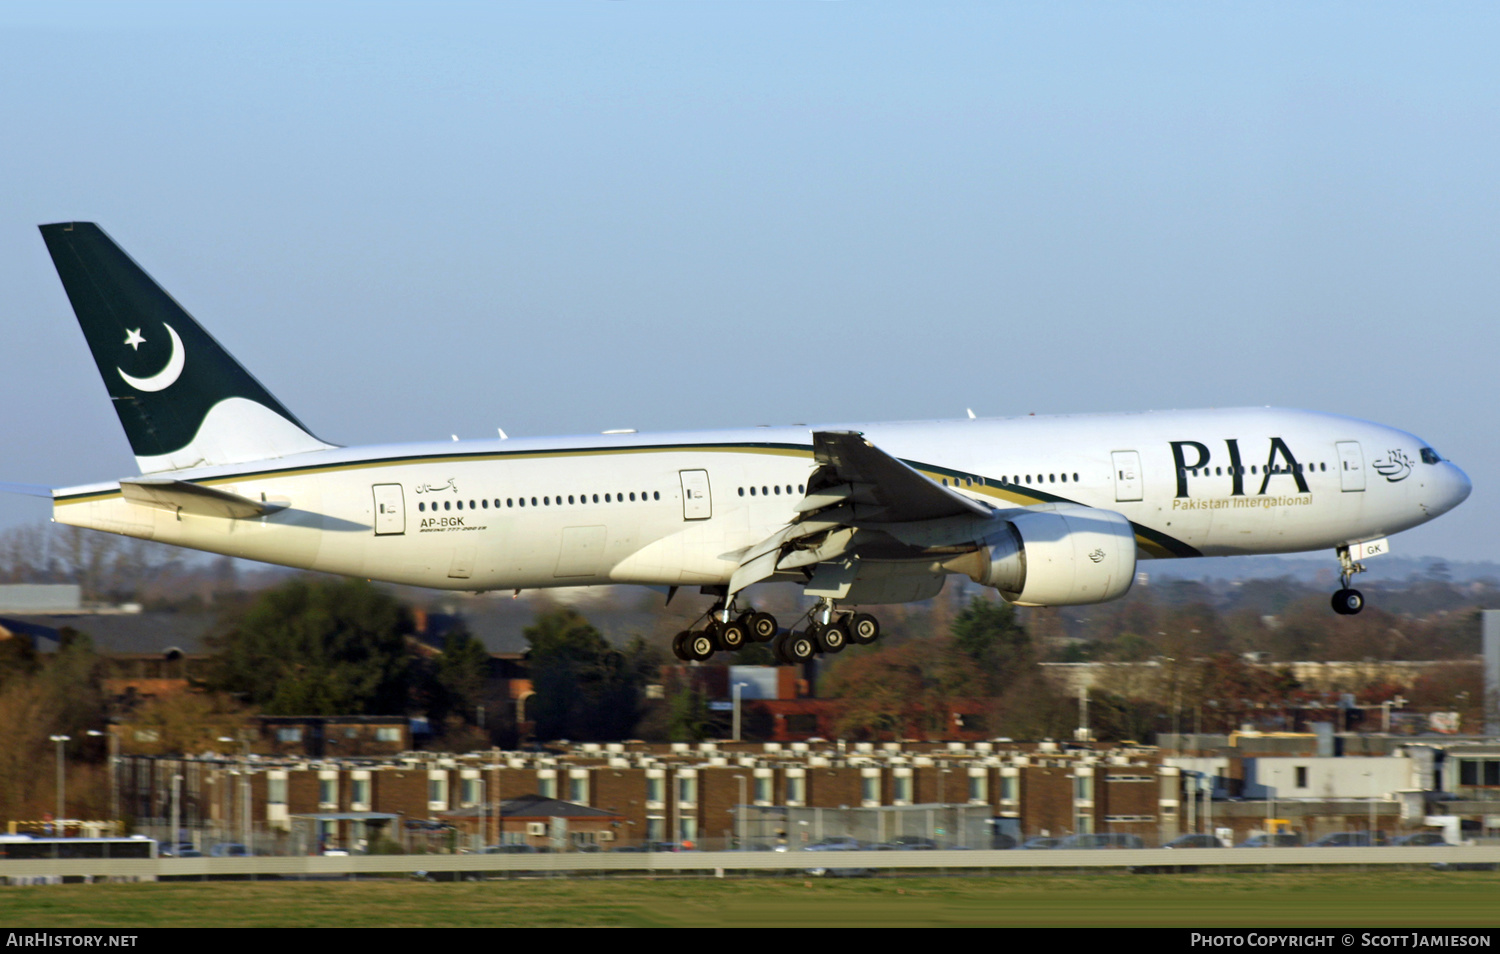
[{"x": 182, "y": 399}]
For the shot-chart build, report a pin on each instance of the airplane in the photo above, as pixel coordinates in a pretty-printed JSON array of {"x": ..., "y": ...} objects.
[{"x": 1047, "y": 510}]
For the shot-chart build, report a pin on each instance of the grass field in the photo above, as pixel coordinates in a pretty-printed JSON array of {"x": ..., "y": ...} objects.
[{"x": 1341, "y": 899}]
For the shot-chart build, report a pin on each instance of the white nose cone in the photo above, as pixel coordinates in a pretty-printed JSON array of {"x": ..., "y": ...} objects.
[{"x": 1455, "y": 487}]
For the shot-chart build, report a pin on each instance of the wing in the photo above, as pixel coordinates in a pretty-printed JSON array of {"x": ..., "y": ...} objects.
[{"x": 857, "y": 487}]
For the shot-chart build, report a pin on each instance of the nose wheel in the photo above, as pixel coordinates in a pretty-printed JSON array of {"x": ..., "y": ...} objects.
[{"x": 1347, "y": 601}]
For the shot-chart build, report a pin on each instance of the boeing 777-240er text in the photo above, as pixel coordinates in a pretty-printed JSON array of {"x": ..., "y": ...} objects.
[{"x": 1047, "y": 510}]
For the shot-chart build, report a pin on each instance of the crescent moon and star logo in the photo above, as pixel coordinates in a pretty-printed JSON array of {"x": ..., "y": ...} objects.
[{"x": 168, "y": 375}]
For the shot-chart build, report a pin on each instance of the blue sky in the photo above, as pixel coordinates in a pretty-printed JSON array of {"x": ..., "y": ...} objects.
[{"x": 565, "y": 217}]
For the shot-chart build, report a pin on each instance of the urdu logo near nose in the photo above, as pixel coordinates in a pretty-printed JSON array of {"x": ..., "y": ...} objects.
[{"x": 168, "y": 375}]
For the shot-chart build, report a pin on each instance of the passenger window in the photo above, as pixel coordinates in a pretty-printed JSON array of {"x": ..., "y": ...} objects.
[
  {"x": 742, "y": 491},
  {"x": 656, "y": 495}
]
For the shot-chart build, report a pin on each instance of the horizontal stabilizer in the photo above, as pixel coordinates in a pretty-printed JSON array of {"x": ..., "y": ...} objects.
[
  {"x": 183, "y": 497},
  {"x": 30, "y": 490}
]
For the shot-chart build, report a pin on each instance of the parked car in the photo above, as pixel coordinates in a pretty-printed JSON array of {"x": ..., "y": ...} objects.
[
  {"x": 828, "y": 871},
  {"x": 1102, "y": 840},
  {"x": 908, "y": 843},
  {"x": 1039, "y": 844},
  {"x": 1194, "y": 840},
  {"x": 1349, "y": 839},
  {"x": 671, "y": 846},
  {"x": 229, "y": 850},
  {"x": 1285, "y": 839},
  {"x": 838, "y": 843},
  {"x": 1421, "y": 838}
]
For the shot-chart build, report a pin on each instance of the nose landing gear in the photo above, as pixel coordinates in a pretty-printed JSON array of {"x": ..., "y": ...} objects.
[{"x": 1347, "y": 601}]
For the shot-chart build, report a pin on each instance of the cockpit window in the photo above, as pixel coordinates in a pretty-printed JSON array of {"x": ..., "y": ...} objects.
[{"x": 1430, "y": 456}]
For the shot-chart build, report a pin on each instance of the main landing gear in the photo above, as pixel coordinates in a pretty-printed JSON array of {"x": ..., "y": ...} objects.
[
  {"x": 723, "y": 634},
  {"x": 826, "y": 632},
  {"x": 1348, "y": 601}
]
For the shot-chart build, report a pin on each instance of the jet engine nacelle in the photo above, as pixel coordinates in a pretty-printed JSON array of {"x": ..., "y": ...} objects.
[{"x": 1062, "y": 557}]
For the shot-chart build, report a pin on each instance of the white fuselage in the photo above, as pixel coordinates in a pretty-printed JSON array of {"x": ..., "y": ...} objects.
[{"x": 674, "y": 509}]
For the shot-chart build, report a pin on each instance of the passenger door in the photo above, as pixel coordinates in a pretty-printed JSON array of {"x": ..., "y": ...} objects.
[
  {"x": 1351, "y": 466},
  {"x": 1128, "y": 484},
  {"x": 697, "y": 502},
  {"x": 390, "y": 510}
]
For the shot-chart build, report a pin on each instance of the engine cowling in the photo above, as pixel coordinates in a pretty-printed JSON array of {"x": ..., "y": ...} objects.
[{"x": 1058, "y": 557}]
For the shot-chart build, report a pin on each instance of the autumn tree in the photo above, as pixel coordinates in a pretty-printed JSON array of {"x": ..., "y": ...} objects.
[
  {"x": 184, "y": 723},
  {"x": 59, "y": 695},
  {"x": 902, "y": 689}
]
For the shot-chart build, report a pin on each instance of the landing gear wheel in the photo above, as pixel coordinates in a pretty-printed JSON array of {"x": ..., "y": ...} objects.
[
  {"x": 732, "y": 636},
  {"x": 700, "y": 646},
  {"x": 762, "y": 626},
  {"x": 679, "y": 645},
  {"x": 864, "y": 629},
  {"x": 798, "y": 648},
  {"x": 778, "y": 648},
  {"x": 833, "y": 637},
  {"x": 1347, "y": 602}
]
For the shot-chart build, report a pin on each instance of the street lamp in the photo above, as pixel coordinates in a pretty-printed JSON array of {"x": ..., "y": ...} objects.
[
  {"x": 736, "y": 693},
  {"x": 176, "y": 815},
  {"x": 739, "y": 813},
  {"x": 114, "y": 779},
  {"x": 61, "y": 780}
]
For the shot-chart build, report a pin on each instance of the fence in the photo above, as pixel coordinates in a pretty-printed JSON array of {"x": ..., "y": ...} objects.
[{"x": 796, "y": 863}]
